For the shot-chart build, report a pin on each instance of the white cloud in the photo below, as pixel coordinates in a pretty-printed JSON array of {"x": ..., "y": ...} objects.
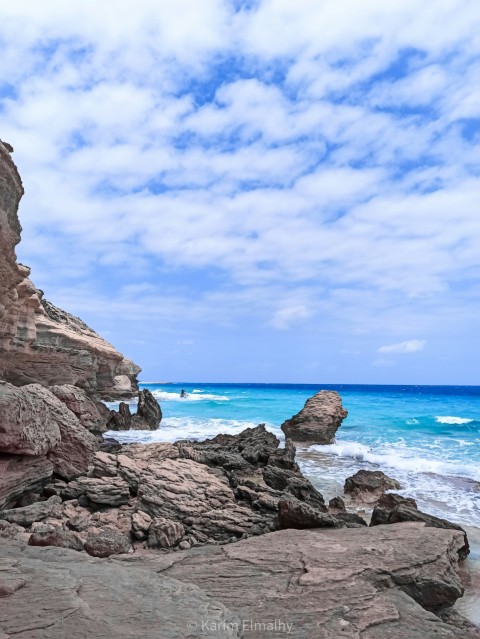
[
  {"x": 410, "y": 346},
  {"x": 286, "y": 317}
]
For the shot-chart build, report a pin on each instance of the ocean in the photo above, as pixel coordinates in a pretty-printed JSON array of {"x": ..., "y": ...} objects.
[{"x": 426, "y": 437}]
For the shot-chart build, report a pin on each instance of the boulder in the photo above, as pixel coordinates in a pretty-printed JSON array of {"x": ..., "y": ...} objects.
[
  {"x": 28, "y": 514},
  {"x": 30, "y": 419},
  {"x": 58, "y": 538},
  {"x": 386, "y": 504},
  {"x": 318, "y": 421},
  {"x": 106, "y": 541},
  {"x": 105, "y": 491},
  {"x": 165, "y": 533},
  {"x": 293, "y": 513},
  {"x": 367, "y": 486},
  {"x": 149, "y": 413},
  {"x": 74, "y": 454},
  {"x": 92, "y": 415},
  {"x": 21, "y": 475}
]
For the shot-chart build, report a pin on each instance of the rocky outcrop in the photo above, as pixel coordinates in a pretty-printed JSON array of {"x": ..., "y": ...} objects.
[
  {"x": 56, "y": 593},
  {"x": 92, "y": 415},
  {"x": 386, "y": 504},
  {"x": 318, "y": 421},
  {"x": 369, "y": 583},
  {"x": 20, "y": 475},
  {"x": 367, "y": 486},
  {"x": 40, "y": 343},
  {"x": 147, "y": 417}
]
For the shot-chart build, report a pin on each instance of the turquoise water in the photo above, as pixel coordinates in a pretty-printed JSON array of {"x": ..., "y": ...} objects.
[{"x": 427, "y": 437}]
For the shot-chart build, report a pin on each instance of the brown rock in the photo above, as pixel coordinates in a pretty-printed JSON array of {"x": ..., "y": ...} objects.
[
  {"x": 386, "y": 504},
  {"x": 372, "y": 583},
  {"x": 165, "y": 533},
  {"x": 74, "y": 454},
  {"x": 149, "y": 413},
  {"x": 59, "y": 538},
  {"x": 140, "y": 525},
  {"x": 368, "y": 486},
  {"x": 92, "y": 415},
  {"x": 28, "y": 514},
  {"x": 40, "y": 343},
  {"x": 20, "y": 475},
  {"x": 403, "y": 512},
  {"x": 293, "y": 513},
  {"x": 30, "y": 419},
  {"x": 106, "y": 541},
  {"x": 108, "y": 491},
  {"x": 318, "y": 421}
]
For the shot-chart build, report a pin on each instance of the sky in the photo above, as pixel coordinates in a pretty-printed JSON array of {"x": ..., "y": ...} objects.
[{"x": 263, "y": 191}]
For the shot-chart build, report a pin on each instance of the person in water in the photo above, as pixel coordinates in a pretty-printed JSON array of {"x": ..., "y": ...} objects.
[{"x": 183, "y": 393}]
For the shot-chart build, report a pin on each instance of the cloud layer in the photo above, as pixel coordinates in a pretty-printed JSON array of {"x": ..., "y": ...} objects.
[{"x": 304, "y": 174}]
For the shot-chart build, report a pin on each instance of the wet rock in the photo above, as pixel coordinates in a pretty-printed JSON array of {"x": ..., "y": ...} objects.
[
  {"x": 149, "y": 413},
  {"x": 121, "y": 419},
  {"x": 336, "y": 505},
  {"x": 368, "y": 486},
  {"x": 318, "y": 421},
  {"x": 386, "y": 504}
]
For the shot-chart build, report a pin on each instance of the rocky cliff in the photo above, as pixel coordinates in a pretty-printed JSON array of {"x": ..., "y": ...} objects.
[{"x": 40, "y": 343}]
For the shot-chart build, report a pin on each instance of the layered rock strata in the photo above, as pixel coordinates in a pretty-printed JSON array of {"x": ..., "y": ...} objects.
[
  {"x": 40, "y": 343},
  {"x": 318, "y": 421}
]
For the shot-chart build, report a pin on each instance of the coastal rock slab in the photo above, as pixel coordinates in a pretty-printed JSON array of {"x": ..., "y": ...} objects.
[
  {"x": 318, "y": 421},
  {"x": 371, "y": 583},
  {"x": 367, "y": 486},
  {"x": 53, "y": 593},
  {"x": 28, "y": 514}
]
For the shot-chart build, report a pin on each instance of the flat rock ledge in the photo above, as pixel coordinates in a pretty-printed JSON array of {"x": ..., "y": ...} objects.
[
  {"x": 382, "y": 583},
  {"x": 318, "y": 421}
]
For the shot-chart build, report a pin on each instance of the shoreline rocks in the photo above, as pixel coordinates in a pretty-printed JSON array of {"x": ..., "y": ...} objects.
[
  {"x": 367, "y": 486},
  {"x": 318, "y": 421}
]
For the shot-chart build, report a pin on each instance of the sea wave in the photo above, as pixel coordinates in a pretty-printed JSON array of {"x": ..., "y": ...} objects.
[
  {"x": 174, "y": 428},
  {"x": 449, "y": 419},
  {"x": 166, "y": 396},
  {"x": 400, "y": 458}
]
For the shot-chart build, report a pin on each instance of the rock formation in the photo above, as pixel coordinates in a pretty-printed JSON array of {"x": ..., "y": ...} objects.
[
  {"x": 318, "y": 421},
  {"x": 367, "y": 486},
  {"x": 39, "y": 343},
  {"x": 147, "y": 417}
]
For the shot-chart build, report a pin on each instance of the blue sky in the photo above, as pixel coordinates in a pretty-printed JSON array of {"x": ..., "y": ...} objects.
[{"x": 254, "y": 191}]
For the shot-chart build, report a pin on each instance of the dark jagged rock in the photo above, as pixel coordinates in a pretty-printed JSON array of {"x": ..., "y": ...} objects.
[
  {"x": 318, "y": 421},
  {"x": 368, "y": 486},
  {"x": 293, "y": 513},
  {"x": 386, "y": 504},
  {"x": 337, "y": 505},
  {"x": 147, "y": 417},
  {"x": 149, "y": 413}
]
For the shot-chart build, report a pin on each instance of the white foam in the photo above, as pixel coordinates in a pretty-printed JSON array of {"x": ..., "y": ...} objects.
[
  {"x": 448, "y": 419},
  {"x": 401, "y": 458},
  {"x": 165, "y": 396},
  {"x": 175, "y": 428}
]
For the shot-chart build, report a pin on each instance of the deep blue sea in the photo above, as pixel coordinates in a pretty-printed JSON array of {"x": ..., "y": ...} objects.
[{"x": 427, "y": 437}]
